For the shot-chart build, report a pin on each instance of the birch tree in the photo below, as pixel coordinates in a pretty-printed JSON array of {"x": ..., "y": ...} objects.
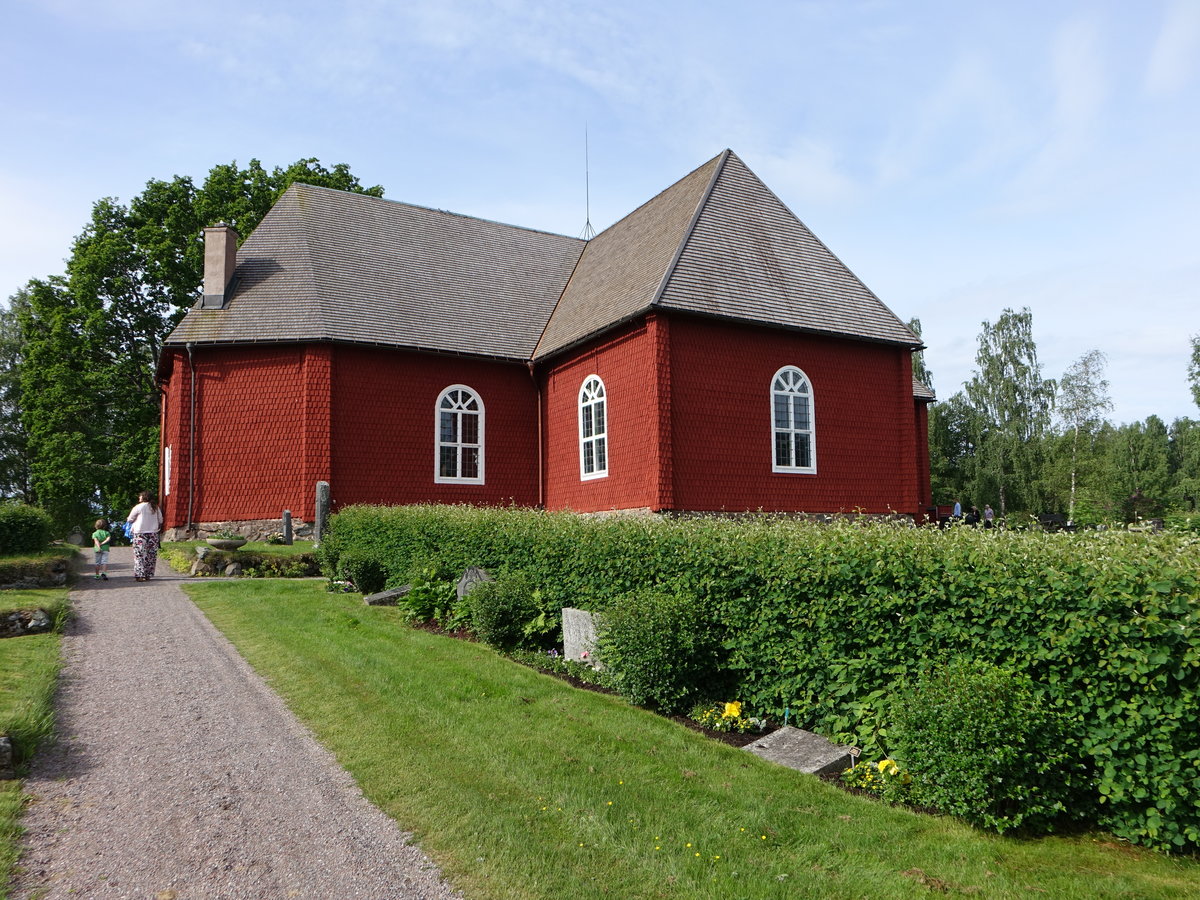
[
  {"x": 1081, "y": 403},
  {"x": 1013, "y": 405}
]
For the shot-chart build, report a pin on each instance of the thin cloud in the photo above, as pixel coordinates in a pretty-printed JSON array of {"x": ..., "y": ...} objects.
[{"x": 1173, "y": 58}]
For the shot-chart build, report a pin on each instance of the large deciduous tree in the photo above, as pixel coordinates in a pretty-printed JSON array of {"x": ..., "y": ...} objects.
[
  {"x": 14, "y": 458},
  {"x": 91, "y": 339},
  {"x": 1013, "y": 404}
]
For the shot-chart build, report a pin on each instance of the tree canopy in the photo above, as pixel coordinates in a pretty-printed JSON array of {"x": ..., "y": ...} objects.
[{"x": 79, "y": 350}]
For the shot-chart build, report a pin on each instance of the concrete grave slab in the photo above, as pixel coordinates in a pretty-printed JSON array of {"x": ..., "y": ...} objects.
[{"x": 802, "y": 750}]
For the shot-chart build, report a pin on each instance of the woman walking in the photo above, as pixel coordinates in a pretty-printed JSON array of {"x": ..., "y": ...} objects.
[{"x": 147, "y": 521}]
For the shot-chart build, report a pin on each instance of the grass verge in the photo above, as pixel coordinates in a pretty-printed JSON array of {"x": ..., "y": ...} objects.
[
  {"x": 523, "y": 787},
  {"x": 28, "y": 673}
]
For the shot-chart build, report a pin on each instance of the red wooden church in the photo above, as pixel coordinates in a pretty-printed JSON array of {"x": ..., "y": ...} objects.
[{"x": 707, "y": 352}]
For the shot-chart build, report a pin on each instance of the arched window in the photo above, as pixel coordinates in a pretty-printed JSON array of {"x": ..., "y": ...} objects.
[
  {"x": 458, "y": 437},
  {"x": 593, "y": 429},
  {"x": 792, "y": 422}
]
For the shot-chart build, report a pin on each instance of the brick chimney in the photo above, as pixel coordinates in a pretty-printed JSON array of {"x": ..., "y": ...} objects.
[{"x": 220, "y": 259}]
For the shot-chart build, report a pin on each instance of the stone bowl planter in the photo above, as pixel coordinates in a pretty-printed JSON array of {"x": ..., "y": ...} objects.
[{"x": 225, "y": 543}]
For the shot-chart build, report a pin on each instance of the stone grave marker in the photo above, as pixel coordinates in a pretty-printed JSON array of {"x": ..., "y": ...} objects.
[
  {"x": 579, "y": 636},
  {"x": 802, "y": 750},
  {"x": 473, "y": 576},
  {"x": 387, "y": 598}
]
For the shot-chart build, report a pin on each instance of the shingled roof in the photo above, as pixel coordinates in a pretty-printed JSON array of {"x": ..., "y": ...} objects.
[
  {"x": 720, "y": 243},
  {"x": 327, "y": 265}
]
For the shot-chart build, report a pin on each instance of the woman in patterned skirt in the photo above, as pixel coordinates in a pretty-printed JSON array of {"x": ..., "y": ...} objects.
[{"x": 147, "y": 521}]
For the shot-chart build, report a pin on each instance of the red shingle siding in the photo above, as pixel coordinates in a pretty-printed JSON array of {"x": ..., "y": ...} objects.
[
  {"x": 721, "y": 421},
  {"x": 921, "y": 429},
  {"x": 250, "y": 435},
  {"x": 625, "y": 362},
  {"x": 173, "y": 413},
  {"x": 383, "y": 424}
]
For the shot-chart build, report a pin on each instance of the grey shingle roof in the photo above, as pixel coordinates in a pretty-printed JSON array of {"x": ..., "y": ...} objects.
[
  {"x": 327, "y": 265},
  {"x": 922, "y": 391},
  {"x": 718, "y": 243}
]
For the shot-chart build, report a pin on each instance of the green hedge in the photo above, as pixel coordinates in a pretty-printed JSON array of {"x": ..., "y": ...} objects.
[
  {"x": 830, "y": 621},
  {"x": 23, "y": 529}
]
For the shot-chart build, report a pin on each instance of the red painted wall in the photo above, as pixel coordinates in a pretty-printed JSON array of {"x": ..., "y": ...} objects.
[
  {"x": 864, "y": 425},
  {"x": 921, "y": 426},
  {"x": 625, "y": 360},
  {"x": 254, "y": 414},
  {"x": 383, "y": 422}
]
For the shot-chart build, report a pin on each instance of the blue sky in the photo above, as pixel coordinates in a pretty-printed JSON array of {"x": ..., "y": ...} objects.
[{"x": 960, "y": 157}]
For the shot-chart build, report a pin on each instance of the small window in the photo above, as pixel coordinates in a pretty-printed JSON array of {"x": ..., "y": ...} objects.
[
  {"x": 458, "y": 437},
  {"x": 593, "y": 429},
  {"x": 167, "y": 470},
  {"x": 792, "y": 422}
]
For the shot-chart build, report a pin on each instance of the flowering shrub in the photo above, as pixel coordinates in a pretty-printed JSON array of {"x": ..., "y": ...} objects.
[
  {"x": 884, "y": 778},
  {"x": 726, "y": 717}
]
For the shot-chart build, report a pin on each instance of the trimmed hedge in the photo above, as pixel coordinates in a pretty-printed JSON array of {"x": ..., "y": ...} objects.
[
  {"x": 23, "y": 529},
  {"x": 831, "y": 621}
]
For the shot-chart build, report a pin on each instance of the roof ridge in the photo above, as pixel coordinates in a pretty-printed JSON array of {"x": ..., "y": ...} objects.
[
  {"x": 691, "y": 226},
  {"x": 433, "y": 209}
]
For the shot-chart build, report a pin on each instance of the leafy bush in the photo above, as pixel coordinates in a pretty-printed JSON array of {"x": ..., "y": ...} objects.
[
  {"x": 432, "y": 600},
  {"x": 660, "y": 650},
  {"x": 23, "y": 529},
  {"x": 982, "y": 745},
  {"x": 500, "y": 610},
  {"x": 365, "y": 572}
]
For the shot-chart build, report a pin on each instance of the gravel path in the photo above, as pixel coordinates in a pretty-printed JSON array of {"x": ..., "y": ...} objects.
[{"x": 179, "y": 775}]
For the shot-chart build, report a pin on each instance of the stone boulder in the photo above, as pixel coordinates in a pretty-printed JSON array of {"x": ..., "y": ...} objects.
[{"x": 24, "y": 621}]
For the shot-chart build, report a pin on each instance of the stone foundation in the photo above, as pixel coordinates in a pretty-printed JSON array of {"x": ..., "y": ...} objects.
[{"x": 252, "y": 529}]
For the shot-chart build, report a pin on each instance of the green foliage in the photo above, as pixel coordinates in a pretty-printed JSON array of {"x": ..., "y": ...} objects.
[
  {"x": 364, "y": 571},
  {"x": 827, "y": 621},
  {"x": 501, "y": 610},
  {"x": 660, "y": 649},
  {"x": 985, "y": 746},
  {"x": 433, "y": 600},
  {"x": 23, "y": 529}
]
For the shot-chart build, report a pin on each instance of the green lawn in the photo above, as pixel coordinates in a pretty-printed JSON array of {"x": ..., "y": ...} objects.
[
  {"x": 523, "y": 787},
  {"x": 28, "y": 670}
]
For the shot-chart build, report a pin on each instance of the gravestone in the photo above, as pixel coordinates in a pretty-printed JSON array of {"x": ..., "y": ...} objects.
[
  {"x": 473, "y": 576},
  {"x": 579, "y": 636},
  {"x": 802, "y": 750},
  {"x": 322, "y": 511},
  {"x": 387, "y": 598},
  {"x": 287, "y": 527}
]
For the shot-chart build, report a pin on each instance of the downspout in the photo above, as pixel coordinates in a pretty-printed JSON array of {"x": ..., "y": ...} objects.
[
  {"x": 540, "y": 474},
  {"x": 191, "y": 525}
]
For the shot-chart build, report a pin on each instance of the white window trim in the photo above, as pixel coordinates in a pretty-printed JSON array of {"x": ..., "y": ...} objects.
[
  {"x": 811, "y": 431},
  {"x": 438, "y": 477},
  {"x": 167, "y": 470},
  {"x": 597, "y": 473}
]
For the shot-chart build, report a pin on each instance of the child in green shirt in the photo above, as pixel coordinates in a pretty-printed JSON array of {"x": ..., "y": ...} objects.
[{"x": 101, "y": 542}]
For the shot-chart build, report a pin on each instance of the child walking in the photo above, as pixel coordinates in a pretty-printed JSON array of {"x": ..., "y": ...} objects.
[{"x": 101, "y": 543}]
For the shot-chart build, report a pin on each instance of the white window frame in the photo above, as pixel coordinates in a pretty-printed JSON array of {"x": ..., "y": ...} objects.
[
  {"x": 458, "y": 444},
  {"x": 792, "y": 389},
  {"x": 167, "y": 470},
  {"x": 591, "y": 393}
]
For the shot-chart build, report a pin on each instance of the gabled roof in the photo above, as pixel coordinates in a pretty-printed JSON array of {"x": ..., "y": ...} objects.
[
  {"x": 326, "y": 265},
  {"x": 718, "y": 243}
]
